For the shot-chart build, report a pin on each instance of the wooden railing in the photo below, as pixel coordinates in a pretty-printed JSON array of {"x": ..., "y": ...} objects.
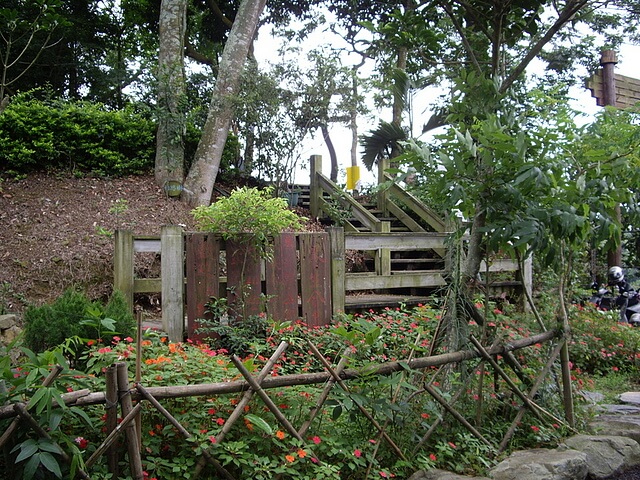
[{"x": 307, "y": 277}]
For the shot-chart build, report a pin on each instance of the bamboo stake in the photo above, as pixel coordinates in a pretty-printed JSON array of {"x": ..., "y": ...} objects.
[
  {"x": 111, "y": 407},
  {"x": 394, "y": 400},
  {"x": 387, "y": 368},
  {"x": 325, "y": 392},
  {"x": 265, "y": 398},
  {"x": 107, "y": 443},
  {"x": 22, "y": 411},
  {"x": 457, "y": 416},
  {"x": 364, "y": 411},
  {"x": 532, "y": 392},
  {"x": 13, "y": 426},
  {"x": 183, "y": 431},
  {"x": 138, "y": 374},
  {"x": 534, "y": 407},
  {"x": 438, "y": 421},
  {"x": 126, "y": 405},
  {"x": 246, "y": 397}
]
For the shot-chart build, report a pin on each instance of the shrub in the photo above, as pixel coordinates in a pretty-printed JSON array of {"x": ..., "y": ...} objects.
[
  {"x": 248, "y": 213},
  {"x": 83, "y": 136},
  {"x": 74, "y": 315}
]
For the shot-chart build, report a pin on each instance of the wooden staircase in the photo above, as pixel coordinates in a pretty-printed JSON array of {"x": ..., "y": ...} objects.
[{"x": 400, "y": 239}]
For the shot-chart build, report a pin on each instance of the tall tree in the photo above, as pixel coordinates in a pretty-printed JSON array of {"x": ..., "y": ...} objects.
[
  {"x": 169, "y": 164},
  {"x": 198, "y": 185},
  {"x": 26, "y": 31}
]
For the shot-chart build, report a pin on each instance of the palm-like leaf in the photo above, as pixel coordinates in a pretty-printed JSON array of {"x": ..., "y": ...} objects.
[{"x": 379, "y": 143}]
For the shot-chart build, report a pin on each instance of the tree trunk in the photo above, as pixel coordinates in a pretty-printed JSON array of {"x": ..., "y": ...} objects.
[
  {"x": 332, "y": 152},
  {"x": 169, "y": 164},
  {"x": 202, "y": 175}
]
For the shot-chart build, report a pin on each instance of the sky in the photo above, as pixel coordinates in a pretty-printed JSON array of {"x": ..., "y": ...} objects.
[{"x": 582, "y": 101}]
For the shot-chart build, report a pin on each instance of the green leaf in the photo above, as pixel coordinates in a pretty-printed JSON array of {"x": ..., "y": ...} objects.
[
  {"x": 27, "y": 449},
  {"x": 50, "y": 463},
  {"x": 40, "y": 393},
  {"x": 260, "y": 423}
]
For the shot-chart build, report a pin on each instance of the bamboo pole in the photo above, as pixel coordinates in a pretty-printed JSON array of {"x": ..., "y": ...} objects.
[
  {"x": 457, "y": 416},
  {"x": 265, "y": 398},
  {"x": 532, "y": 392},
  {"x": 108, "y": 442},
  {"x": 138, "y": 374},
  {"x": 111, "y": 407},
  {"x": 183, "y": 431},
  {"x": 222, "y": 388},
  {"x": 126, "y": 405},
  {"x": 364, "y": 411},
  {"x": 325, "y": 392},
  {"x": 246, "y": 398}
]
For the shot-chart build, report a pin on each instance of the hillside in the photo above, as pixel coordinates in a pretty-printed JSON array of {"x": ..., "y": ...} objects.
[{"x": 55, "y": 232}]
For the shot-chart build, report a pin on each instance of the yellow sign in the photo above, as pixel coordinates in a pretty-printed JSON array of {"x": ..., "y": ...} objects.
[{"x": 353, "y": 177}]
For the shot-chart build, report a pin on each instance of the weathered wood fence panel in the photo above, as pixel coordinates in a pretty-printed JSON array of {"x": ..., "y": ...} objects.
[
  {"x": 203, "y": 272},
  {"x": 315, "y": 278},
  {"x": 244, "y": 278},
  {"x": 282, "y": 278}
]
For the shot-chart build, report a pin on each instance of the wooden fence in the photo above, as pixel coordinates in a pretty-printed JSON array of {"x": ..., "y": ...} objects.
[{"x": 306, "y": 278}]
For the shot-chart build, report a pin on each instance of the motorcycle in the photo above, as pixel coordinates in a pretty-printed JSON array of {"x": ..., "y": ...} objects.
[{"x": 628, "y": 303}]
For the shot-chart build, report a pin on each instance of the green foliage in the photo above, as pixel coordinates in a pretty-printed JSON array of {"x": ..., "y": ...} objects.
[
  {"x": 73, "y": 315},
  {"x": 248, "y": 214},
  {"x": 600, "y": 345},
  {"x": 341, "y": 443},
  {"x": 81, "y": 136}
]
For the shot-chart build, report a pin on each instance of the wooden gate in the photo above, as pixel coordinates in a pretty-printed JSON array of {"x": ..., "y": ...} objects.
[{"x": 294, "y": 284}]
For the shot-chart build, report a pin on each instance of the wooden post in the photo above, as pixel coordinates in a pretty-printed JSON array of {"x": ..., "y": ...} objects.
[
  {"x": 338, "y": 269},
  {"x": 315, "y": 193},
  {"x": 315, "y": 276},
  {"x": 111, "y": 407},
  {"x": 123, "y": 265},
  {"x": 383, "y": 165},
  {"x": 172, "y": 272},
  {"x": 126, "y": 405},
  {"x": 608, "y": 62},
  {"x": 203, "y": 282},
  {"x": 383, "y": 255}
]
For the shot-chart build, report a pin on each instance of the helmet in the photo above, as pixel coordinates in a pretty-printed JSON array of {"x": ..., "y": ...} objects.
[{"x": 615, "y": 275}]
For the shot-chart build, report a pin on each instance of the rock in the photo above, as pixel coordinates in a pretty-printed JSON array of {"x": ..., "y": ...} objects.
[
  {"x": 606, "y": 454},
  {"x": 436, "y": 474},
  {"x": 9, "y": 329},
  {"x": 618, "y": 425},
  {"x": 8, "y": 321},
  {"x": 630, "y": 397},
  {"x": 542, "y": 464}
]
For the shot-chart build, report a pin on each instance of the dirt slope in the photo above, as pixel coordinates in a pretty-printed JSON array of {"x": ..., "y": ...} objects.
[{"x": 55, "y": 232}]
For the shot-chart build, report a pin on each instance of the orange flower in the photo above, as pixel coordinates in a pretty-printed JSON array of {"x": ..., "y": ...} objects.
[
  {"x": 302, "y": 453},
  {"x": 280, "y": 434},
  {"x": 290, "y": 458}
]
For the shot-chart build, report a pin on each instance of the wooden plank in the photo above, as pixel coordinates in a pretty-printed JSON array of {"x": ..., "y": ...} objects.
[
  {"x": 152, "y": 245},
  {"x": 172, "y": 273},
  {"x": 202, "y": 272},
  {"x": 336, "y": 241},
  {"x": 411, "y": 279},
  {"x": 395, "y": 241},
  {"x": 500, "y": 265},
  {"x": 281, "y": 276},
  {"x": 147, "y": 285},
  {"x": 315, "y": 276},
  {"x": 244, "y": 286},
  {"x": 123, "y": 265}
]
